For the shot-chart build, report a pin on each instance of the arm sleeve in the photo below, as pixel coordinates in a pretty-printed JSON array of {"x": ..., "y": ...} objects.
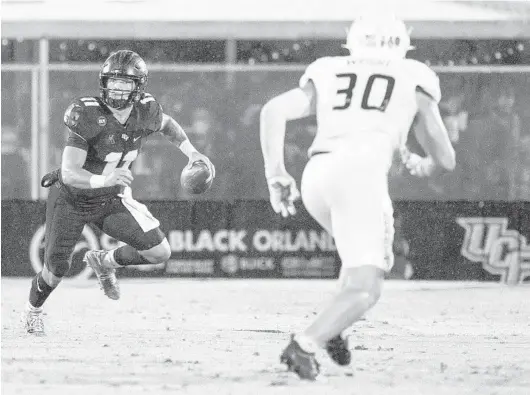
[
  {"x": 427, "y": 81},
  {"x": 311, "y": 73}
]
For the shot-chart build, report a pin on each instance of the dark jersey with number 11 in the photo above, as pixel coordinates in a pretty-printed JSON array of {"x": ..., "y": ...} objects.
[{"x": 108, "y": 143}]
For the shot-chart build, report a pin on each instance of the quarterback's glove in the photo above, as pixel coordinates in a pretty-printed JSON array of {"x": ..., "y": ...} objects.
[
  {"x": 283, "y": 193},
  {"x": 417, "y": 165},
  {"x": 49, "y": 179}
]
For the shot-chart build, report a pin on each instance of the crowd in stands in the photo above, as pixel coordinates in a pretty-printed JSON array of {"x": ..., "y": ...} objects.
[{"x": 487, "y": 115}]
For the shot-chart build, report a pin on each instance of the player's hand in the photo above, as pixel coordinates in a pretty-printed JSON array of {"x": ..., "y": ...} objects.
[
  {"x": 417, "y": 165},
  {"x": 283, "y": 192},
  {"x": 119, "y": 176},
  {"x": 198, "y": 157}
]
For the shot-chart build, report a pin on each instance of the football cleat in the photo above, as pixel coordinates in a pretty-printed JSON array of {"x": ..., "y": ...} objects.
[
  {"x": 33, "y": 323},
  {"x": 301, "y": 362},
  {"x": 106, "y": 276},
  {"x": 338, "y": 350}
]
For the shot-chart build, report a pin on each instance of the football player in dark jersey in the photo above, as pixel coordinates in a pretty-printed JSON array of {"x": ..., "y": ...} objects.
[{"x": 92, "y": 185}]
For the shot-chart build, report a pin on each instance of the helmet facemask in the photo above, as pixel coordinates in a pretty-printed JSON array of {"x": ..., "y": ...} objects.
[{"x": 116, "y": 98}]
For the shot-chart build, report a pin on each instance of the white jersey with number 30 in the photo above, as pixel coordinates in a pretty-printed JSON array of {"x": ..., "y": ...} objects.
[{"x": 366, "y": 103}]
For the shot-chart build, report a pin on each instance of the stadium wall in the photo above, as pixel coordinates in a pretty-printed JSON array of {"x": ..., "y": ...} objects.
[{"x": 482, "y": 241}]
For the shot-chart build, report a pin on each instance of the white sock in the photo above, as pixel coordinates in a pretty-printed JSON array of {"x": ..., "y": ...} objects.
[
  {"x": 109, "y": 260},
  {"x": 30, "y": 307},
  {"x": 306, "y": 343}
]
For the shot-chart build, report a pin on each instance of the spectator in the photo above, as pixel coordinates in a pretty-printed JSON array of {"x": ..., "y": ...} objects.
[
  {"x": 15, "y": 166},
  {"x": 247, "y": 171},
  {"x": 491, "y": 150},
  {"x": 455, "y": 118}
]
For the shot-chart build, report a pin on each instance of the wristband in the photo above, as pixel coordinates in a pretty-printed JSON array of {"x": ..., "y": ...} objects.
[
  {"x": 187, "y": 148},
  {"x": 97, "y": 181}
]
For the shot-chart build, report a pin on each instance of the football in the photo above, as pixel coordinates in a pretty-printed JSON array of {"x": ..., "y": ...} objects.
[{"x": 197, "y": 179}]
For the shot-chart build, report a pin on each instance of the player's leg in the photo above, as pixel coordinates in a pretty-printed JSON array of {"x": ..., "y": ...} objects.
[
  {"x": 361, "y": 238},
  {"x": 316, "y": 202},
  {"x": 134, "y": 225},
  {"x": 64, "y": 225},
  {"x": 337, "y": 347},
  {"x": 300, "y": 360},
  {"x": 312, "y": 192}
]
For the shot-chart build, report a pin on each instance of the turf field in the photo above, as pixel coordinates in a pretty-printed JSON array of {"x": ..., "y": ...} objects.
[{"x": 175, "y": 336}]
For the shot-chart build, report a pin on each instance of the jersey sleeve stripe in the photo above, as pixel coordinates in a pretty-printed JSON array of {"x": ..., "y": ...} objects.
[
  {"x": 421, "y": 90},
  {"x": 90, "y": 103},
  {"x": 77, "y": 134},
  {"x": 87, "y": 99},
  {"x": 147, "y": 100}
]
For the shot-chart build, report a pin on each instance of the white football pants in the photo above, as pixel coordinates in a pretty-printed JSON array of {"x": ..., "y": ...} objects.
[{"x": 347, "y": 193}]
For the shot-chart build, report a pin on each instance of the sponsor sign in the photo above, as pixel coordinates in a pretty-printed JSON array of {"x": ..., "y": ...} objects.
[
  {"x": 501, "y": 251},
  {"x": 445, "y": 241}
]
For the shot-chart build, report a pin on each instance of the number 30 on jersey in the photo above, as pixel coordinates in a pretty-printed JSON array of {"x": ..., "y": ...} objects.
[{"x": 376, "y": 94}]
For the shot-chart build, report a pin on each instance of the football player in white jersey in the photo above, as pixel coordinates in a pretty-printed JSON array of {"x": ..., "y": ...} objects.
[{"x": 365, "y": 104}]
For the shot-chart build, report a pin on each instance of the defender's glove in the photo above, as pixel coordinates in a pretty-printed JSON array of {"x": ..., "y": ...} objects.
[
  {"x": 417, "y": 165},
  {"x": 283, "y": 192}
]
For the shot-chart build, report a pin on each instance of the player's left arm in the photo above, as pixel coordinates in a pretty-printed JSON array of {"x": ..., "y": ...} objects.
[
  {"x": 434, "y": 138},
  {"x": 176, "y": 134},
  {"x": 294, "y": 104}
]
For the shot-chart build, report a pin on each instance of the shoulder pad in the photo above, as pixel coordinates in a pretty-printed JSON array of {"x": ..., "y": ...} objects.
[
  {"x": 152, "y": 112},
  {"x": 81, "y": 116},
  {"x": 149, "y": 104},
  {"x": 72, "y": 115},
  {"x": 78, "y": 109},
  {"x": 426, "y": 79},
  {"x": 315, "y": 69}
]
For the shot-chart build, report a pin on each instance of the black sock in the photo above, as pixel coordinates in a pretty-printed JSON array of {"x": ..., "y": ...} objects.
[
  {"x": 126, "y": 255},
  {"x": 39, "y": 292}
]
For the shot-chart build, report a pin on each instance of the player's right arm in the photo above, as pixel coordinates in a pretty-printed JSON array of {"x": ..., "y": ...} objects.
[
  {"x": 74, "y": 175},
  {"x": 434, "y": 138},
  {"x": 294, "y": 104},
  {"x": 75, "y": 153}
]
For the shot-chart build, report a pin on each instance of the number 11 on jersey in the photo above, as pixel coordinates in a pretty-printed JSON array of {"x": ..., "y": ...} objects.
[{"x": 113, "y": 159}]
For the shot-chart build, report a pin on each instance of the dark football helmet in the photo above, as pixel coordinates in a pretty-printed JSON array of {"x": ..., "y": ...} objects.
[{"x": 127, "y": 65}]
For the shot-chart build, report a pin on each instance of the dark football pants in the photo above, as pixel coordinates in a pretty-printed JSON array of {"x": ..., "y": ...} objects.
[{"x": 65, "y": 223}]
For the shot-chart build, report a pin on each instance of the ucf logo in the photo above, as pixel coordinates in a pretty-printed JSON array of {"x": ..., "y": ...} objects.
[{"x": 501, "y": 251}]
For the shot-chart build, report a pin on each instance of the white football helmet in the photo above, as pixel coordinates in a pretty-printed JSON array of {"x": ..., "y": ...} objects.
[{"x": 379, "y": 37}]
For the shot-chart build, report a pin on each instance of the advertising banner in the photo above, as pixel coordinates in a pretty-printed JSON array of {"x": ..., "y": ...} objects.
[{"x": 245, "y": 239}]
